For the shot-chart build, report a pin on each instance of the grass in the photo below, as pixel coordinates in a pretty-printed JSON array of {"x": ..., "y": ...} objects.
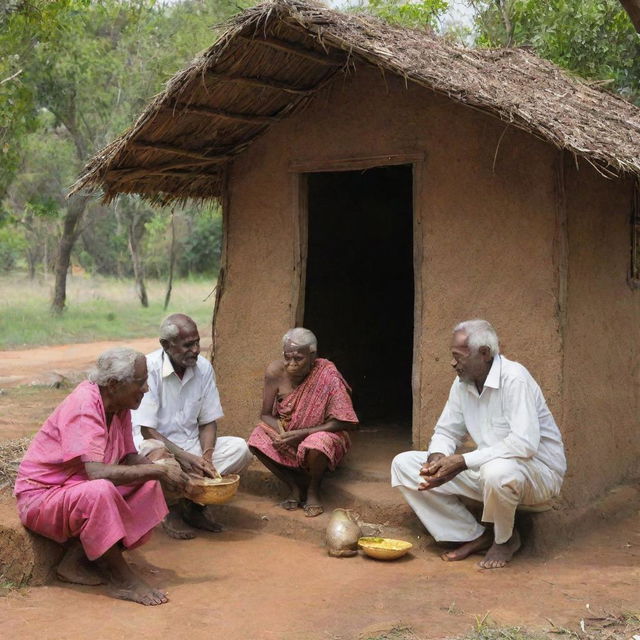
[
  {"x": 8, "y": 587},
  {"x": 623, "y": 626},
  {"x": 97, "y": 309}
]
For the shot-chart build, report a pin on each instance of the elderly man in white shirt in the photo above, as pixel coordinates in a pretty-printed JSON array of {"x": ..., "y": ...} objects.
[
  {"x": 179, "y": 415},
  {"x": 519, "y": 457}
]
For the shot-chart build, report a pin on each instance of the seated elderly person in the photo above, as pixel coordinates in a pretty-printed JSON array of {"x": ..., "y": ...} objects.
[
  {"x": 306, "y": 412},
  {"x": 82, "y": 483},
  {"x": 178, "y": 416},
  {"x": 519, "y": 459}
]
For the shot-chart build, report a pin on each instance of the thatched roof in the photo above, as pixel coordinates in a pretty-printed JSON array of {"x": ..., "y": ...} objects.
[{"x": 273, "y": 58}]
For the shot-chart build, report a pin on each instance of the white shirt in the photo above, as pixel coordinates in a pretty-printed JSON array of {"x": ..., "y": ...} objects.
[
  {"x": 175, "y": 407},
  {"x": 509, "y": 419}
]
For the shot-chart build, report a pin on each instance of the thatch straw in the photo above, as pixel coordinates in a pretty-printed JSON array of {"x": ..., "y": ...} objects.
[
  {"x": 212, "y": 110},
  {"x": 11, "y": 453}
]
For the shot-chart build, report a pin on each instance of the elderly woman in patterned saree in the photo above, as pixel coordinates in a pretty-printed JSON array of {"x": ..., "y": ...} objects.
[{"x": 306, "y": 412}]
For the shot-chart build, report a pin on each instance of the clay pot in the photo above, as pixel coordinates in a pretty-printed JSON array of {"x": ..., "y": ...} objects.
[{"x": 343, "y": 533}]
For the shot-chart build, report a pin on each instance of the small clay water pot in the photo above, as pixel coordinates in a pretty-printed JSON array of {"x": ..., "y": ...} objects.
[{"x": 343, "y": 533}]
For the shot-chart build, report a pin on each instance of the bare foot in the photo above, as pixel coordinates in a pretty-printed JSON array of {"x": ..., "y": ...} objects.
[
  {"x": 138, "y": 591},
  {"x": 75, "y": 567},
  {"x": 201, "y": 519},
  {"x": 479, "y": 544},
  {"x": 175, "y": 527},
  {"x": 290, "y": 504},
  {"x": 124, "y": 584},
  {"x": 294, "y": 499},
  {"x": 313, "y": 510},
  {"x": 499, "y": 554},
  {"x": 313, "y": 505}
]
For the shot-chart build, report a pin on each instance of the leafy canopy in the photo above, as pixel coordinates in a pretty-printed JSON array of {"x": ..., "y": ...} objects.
[{"x": 593, "y": 38}]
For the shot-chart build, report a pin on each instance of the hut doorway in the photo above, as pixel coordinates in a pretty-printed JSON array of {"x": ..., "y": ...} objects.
[{"x": 359, "y": 286}]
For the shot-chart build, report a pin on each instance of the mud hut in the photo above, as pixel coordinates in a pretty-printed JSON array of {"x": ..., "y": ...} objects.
[{"x": 380, "y": 184}]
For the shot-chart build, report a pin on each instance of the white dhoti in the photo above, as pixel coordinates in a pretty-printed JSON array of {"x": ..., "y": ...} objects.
[
  {"x": 230, "y": 455},
  {"x": 500, "y": 484}
]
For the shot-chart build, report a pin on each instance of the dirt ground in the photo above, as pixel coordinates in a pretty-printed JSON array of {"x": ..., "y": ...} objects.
[{"x": 249, "y": 584}]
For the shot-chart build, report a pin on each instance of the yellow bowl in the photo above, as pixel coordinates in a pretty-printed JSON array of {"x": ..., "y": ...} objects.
[
  {"x": 384, "y": 548},
  {"x": 215, "y": 490}
]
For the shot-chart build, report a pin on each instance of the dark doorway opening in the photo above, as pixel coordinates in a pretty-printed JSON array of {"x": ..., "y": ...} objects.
[{"x": 359, "y": 293}]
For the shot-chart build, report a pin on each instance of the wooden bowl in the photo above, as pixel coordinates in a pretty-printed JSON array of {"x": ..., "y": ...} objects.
[
  {"x": 215, "y": 490},
  {"x": 384, "y": 548}
]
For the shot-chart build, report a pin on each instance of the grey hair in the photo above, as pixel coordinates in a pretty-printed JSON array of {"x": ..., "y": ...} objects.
[
  {"x": 117, "y": 363},
  {"x": 301, "y": 337},
  {"x": 480, "y": 333},
  {"x": 171, "y": 325}
]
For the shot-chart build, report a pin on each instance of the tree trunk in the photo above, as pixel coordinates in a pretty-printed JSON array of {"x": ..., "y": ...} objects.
[
  {"x": 31, "y": 264},
  {"x": 632, "y": 7},
  {"x": 70, "y": 231},
  {"x": 172, "y": 259},
  {"x": 45, "y": 258},
  {"x": 135, "y": 232}
]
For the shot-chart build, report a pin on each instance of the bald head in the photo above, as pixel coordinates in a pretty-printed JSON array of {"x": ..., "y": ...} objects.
[
  {"x": 173, "y": 325},
  {"x": 180, "y": 340}
]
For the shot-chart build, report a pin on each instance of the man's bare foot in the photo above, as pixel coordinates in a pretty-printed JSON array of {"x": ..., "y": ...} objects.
[
  {"x": 201, "y": 518},
  {"x": 75, "y": 567},
  {"x": 464, "y": 550},
  {"x": 124, "y": 584},
  {"x": 499, "y": 554},
  {"x": 175, "y": 527}
]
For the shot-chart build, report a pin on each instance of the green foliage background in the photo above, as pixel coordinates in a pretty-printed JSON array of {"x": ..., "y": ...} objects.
[
  {"x": 592, "y": 38},
  {"x": 74, "y": 74}
]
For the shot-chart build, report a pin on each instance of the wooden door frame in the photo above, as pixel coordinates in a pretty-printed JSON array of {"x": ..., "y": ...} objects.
[{"x": 299, "y": 170}]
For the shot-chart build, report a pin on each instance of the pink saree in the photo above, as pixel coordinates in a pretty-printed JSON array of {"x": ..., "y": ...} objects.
[
  {"x": 323, "y": 395},
  {"x": 55, "y": 496}
]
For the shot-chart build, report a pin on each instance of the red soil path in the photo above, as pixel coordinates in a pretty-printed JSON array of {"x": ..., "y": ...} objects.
[{"x": 245, "y": 584}]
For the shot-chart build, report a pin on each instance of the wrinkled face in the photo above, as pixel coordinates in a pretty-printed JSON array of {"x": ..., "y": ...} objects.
[
  {"x": 297, "y": 360},
  {"x": 469, "y": 366},
  {"x": 184, "y": 348},
  {"x": 129, "y": 394}
]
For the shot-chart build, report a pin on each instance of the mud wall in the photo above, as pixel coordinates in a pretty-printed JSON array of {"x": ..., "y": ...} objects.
[
  {"x": 601, "y": 365},
  {"x": 486, "y": 228}
]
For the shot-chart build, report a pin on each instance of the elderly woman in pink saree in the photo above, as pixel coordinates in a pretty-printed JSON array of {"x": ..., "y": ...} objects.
[
  {"x": 306, "y": 413},
  {"x": 82, "y": 483}
]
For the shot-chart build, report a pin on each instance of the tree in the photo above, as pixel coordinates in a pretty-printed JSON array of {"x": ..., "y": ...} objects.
[
  {"x": 22, "y": 25},
  {"x": 35, "y": 200},
  {"x": 135, "y": 214},
  {"x": 593, "y": 38},
  {"x": 418, "y": 14},
  {"x": 632, "y": 7},
  {"x": 93, "y": 68}
]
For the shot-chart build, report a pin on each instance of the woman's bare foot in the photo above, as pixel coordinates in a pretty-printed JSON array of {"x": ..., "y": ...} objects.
[
  {"x": 201, "y": 518},
  {"x": 464, "y": 550},
  {"x": 294, "y": 500},
  {"x": 75, "y": 567},
  {"x": 290, "y": 504},
  {"x": 313, "y": 510},
  {"x": 313, "y": 506},
  {"x": 139, "y": 592},
  {"x": 499, "y": 554},
  {"x": 175, "y": 527},
  {"x": 124, "y": 584}
]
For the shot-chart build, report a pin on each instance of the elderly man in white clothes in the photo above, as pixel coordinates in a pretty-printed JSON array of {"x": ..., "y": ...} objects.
[
  {"x": 178, "y": 416},
  {"x": 519, "y": 457}
]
